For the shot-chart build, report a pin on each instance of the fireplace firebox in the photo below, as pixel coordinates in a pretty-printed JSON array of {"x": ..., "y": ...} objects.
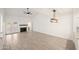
[{"x": 23, "y": 29}]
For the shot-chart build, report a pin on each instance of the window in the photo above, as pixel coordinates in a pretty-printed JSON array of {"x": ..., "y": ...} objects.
[{"x": 1, "y": 23}]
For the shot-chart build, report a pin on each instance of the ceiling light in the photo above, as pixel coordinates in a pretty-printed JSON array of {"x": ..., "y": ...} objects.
[{"x": 53, "y": 19}]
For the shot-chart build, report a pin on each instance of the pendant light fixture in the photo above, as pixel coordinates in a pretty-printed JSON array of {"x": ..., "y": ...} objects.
[{"x": 53, "y": 19}]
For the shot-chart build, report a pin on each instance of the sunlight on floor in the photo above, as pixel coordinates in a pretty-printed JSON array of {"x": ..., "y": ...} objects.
[{"x": 12, "y": 39}]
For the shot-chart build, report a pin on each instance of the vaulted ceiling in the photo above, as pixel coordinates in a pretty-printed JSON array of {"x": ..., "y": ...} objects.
[{"x": 35, "y": 11}]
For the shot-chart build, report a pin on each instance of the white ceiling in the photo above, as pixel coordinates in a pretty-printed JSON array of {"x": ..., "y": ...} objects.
[
  {"x": 35, "y": 11},
  {"x": 48, "y": 11},
  {"x": 14, "y": 11}
]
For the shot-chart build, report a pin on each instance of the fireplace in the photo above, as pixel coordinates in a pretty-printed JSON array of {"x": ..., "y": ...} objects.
[{"x": 24, "y": 29}]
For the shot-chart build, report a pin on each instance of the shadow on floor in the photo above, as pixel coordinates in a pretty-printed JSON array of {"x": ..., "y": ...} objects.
[{"x": 70, "y": 45}]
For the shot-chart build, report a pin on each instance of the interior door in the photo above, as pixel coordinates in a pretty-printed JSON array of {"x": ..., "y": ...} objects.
[
  {"x": 8, "y": 28},
  {"x": 15, "y": 27}
]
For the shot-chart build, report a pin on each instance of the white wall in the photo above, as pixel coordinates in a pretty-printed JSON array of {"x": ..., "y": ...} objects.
[
  {"x": 10, "y": 20},
  {"x": 63, "y": 29},
  {"x": 15, "y": 15},
  {"x": 75, "y": 19},
  {"x": 75, "y": 25}
]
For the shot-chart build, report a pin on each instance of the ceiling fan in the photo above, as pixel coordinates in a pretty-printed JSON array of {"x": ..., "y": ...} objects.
[{"x": 27, "y": 12}]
